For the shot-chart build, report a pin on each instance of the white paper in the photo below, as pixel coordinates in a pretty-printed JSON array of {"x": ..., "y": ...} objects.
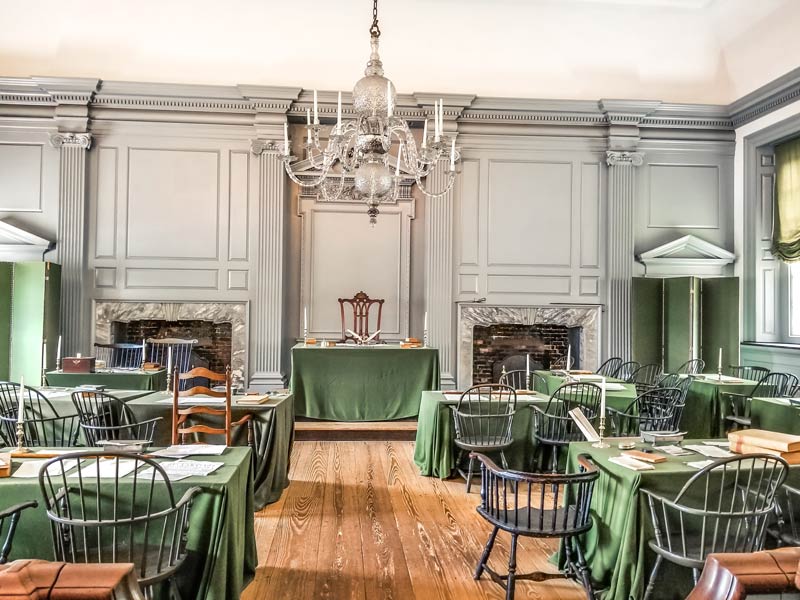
[
  {"x": 107, "y": 468},
  {"x": 179, "y": 451},
  {"x": 709, "y": 451},
  {"x": 700, "y": 464},
  {"x": 589, "y": 432},
  {"x": 722, "y": 444},
  {"x": 452, "y": 397},
  {"x": 181, "y": 469},
  {"x": 631, "y": 463},
  {"x": 30, "y": 468},
  {"x": 189, "y": 400},
  {"x": 674, "y": 450}
]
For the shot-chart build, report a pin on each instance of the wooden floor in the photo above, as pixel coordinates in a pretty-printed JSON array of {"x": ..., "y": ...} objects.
[{"x": 358, "y": 521}]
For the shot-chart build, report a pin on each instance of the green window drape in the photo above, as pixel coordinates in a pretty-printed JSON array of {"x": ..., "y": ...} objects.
[{"x": 786, "y": 219}]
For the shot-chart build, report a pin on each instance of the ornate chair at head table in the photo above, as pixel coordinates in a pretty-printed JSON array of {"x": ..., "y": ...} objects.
[
  {"x": 181, "y": 417},
  {"x": 361, "y": 305}
]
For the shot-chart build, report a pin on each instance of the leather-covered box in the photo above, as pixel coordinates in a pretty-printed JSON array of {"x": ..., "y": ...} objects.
[{"x": 74, "y": 364}]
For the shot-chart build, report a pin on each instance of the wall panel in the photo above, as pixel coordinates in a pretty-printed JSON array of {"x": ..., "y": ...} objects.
[
  {"x": 107, "y": 180},
  {"x": 21, "y": 167}
]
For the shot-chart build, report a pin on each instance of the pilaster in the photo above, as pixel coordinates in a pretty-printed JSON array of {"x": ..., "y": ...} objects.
[
  {"x": 266, "y": 337},
  {"x": 75, "y": 317}
]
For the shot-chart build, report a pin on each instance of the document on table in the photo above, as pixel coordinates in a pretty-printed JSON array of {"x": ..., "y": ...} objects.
[
  {"x": 674, "y": 450},
  {"x": 194, "y": 400},
  {"x": 107, "y": 468},
  {"x": 30, "y": 468},
  {"x": 709, "y": 451},
  {"x": 181, "y": 469},
  {"x": 700, "y": 464},
  {"x": 631, "y": 463},
  {"x": 181, "y": 451}
]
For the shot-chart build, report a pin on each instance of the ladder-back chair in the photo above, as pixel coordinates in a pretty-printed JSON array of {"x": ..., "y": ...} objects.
[
  {"x": 539, "y": 506},
  {"x": 360, "y": 305},
  {"x": 181, "y": 417}
]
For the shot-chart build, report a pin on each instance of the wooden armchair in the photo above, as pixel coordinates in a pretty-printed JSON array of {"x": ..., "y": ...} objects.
[
  {"x": 180, "y": 416},
  {"x": 360, "y": 304}
]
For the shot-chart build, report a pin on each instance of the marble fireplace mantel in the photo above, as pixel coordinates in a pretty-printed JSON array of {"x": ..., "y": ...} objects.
[
  {"x": 235, "y": 313},
  {"x": 585, "y": 316}
]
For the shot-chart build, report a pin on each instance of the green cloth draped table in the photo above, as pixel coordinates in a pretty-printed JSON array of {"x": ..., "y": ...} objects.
[
  {"x": 273, "y": 433},
  {"x": 434, "y": 451},
  {"x": 221, "y": 538},
  {"x": 706, "y": 406},
  {"x": 120, "y": 379},
  {"x": 616, "y": 547},
  {"x": 617, "y": 399},
  {"x": 776, "y": 414},
  {"x": 362, "y": 383}
]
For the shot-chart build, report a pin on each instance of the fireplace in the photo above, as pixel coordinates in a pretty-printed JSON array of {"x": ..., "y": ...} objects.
[
  {"x": 510, "y": 345},
  {"x": 580, "y": 321},
  {"x": 219, "y": 327}
]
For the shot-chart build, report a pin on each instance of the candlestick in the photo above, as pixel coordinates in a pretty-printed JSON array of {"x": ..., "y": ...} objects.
[
  {"x": 316, "y": 109},
  {"x": 603, "y": 396},
  {"x": 58, "y": 354},
  {"x": 425, "y": 134},
  {"x": 601, "y": 431},
  {"x": 425, "y": 331},
  {"x": 569, "y": 357},
  {"x": 44, "y": 359},
  {"x": 436, "y": 131},
  {"x": 441, "y": 117},
  {"x": 527, "y": 368},
  {"x": 21, "y": 409},
  {"x": 308, "y": 118},
  {"x": 144, "y": 353},
  {"x": 305, "y": 325},
  {"x": 339, "y": 113}
]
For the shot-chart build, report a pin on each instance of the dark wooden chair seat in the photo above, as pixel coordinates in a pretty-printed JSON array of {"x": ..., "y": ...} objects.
[{"x": 361, "y": 305}]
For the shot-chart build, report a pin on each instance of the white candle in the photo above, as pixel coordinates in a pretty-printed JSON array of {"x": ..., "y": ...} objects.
[
  {"x": 169, "y": 361},
  {"x": 78, "y": 355},
  {"x": 719, "y": 362},
  {"x": 309, "y": 141},
  {"x": 339, "y": 112},
  {"x": 308, "y": 117},
  {"x": 436, "y": 132},
  {"x": 453, "y": 156},
  {"x": 389, "y": 107},
  {"x": 527, "y": 369},
  {"x": 441, "y": 117},
  {"x": 144, "y": 351},
  {"x": 305, "y": 318},
  {"x": 21, "y": 410},
  {"x": 425, "y": 134},
  {"x": 316, "y": 109},
  {"x": 425, "y": 326},
  {"x": 569, "y": 356},
  {"x": 58, "y": 353},
  {"x": 44, "y": 357},
  {"x": 286, "y": 139},
  {"x": 603, "y": 397}
]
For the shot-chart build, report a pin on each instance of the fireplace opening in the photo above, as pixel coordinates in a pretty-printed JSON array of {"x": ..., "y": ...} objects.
[
  {"x": 213, "y": 348},
  {"x": 498, "y": 345}
]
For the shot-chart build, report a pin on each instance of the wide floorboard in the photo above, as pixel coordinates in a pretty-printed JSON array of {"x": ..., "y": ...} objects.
[{"x": 358, "y": 522}]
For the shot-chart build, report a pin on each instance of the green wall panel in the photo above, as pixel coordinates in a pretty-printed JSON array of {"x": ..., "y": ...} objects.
[
  {"x": 681, "y": 310},
  {"x": 646, "y": 315},
  {"x": 6, "y": 280},
  {"x": 719, "y": 327}
]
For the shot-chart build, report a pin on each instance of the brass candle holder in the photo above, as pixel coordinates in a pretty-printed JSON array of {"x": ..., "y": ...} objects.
[
  {"x": 21, "y": 449},
  {"x": 601, "y": 430}
]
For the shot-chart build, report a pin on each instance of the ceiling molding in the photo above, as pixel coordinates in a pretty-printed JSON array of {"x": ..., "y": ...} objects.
[{"x": 764, "y": 100}]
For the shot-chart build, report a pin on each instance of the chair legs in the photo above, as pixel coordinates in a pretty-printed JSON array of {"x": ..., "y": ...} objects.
[
  {"x": 469, "y": 473},
  {"x": 503, "y": 460},
  {"x": 487, "y": 550},
  {"x": 652, "y": 582},
  {"x": 512, "y": 568}
]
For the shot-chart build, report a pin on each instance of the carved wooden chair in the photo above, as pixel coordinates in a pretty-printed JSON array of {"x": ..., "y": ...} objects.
[
  {"x": 360, "y": 304},
  {"x": 181, "y": 417},
  {"x": 120, "y": 356}
]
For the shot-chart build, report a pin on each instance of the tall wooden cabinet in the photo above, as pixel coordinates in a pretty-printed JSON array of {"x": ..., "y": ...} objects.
[
  {"x": 679, "y": 318},
  {"x": 30, "y": 295}
]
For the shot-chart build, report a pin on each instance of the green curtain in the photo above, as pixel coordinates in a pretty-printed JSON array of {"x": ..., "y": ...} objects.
[{"x": 786, "y": 226}]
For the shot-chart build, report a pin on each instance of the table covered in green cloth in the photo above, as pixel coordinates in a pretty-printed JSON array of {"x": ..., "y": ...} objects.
[
  {"x": 776, "y": 414},
  {"x": 434, "y": 451},
  {"x": 706, "y": 407},
  {"x": 362, "y": 383},
  {"x": 61, "y": 397},
  {"x": 616, "y": 547},
  {"x": 120, "y": 379},
  {"x": 273, "y": 433},
  {"x": 617, "y": 399},
  {"x": 221, "y": 538}
]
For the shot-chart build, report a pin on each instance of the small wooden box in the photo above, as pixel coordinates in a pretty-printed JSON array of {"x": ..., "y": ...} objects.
[
  {"x": 73, "y": 364},
  {"x": 5, "y": 464}
]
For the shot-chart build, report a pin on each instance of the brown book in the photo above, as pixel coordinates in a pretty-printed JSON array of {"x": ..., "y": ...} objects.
[
  {"x": 793, "y": 458},
  {"x": 644, "y": 456},
  {"x": 782, "y": 442}
]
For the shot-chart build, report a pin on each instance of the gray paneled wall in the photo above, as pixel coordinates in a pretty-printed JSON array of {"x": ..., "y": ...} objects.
[{"x": 184, "y": 206}]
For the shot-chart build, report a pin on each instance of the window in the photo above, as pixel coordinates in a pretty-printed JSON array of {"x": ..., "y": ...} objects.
[{"x": 794, "y": 301}]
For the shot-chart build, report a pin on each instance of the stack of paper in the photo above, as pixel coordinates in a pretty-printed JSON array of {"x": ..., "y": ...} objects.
[
  {"x": 674, "y": 450},
  {"x": 631, "y": 463},
  {"x": 181, "y": 451},
  {"x": 30, "y": 468},
  {"x": 181, "y": 469},
  {"x": 709, "y": 451},
  {"x": 108, "y": 468}
]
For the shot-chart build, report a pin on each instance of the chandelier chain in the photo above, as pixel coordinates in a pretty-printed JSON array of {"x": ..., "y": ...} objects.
[{"x": 374, "y": 30}]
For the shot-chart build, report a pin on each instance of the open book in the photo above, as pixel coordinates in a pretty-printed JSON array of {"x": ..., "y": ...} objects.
[{"x": 589, "y": 432}]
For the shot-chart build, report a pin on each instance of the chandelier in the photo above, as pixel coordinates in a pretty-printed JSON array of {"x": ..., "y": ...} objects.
[{"x": 358, "y": 149}]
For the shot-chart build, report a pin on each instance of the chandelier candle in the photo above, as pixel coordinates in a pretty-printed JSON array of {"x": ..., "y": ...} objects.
[
  {"x": 286, "y": 139},
  {"x": 425, "y": 134},
  {"x": 316, "y": 110},
  {"x": 339, "y": 113}
]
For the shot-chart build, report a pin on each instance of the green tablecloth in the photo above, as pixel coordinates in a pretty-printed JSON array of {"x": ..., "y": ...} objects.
[
  {"x": 775, "y": 414},
  {"x": 706, "y": 408},
  {"x": 273, "y": 432},
  {"x": 221, "y": 537},
  {"x": 434, "y": 451},
  {"x": 619, "y": 400},
  {"x": 616, "y": 546},
  {"x": 120, "y": 380},
  {"x": 61, "y": 397},
  {"x": 370, "y": 383}
]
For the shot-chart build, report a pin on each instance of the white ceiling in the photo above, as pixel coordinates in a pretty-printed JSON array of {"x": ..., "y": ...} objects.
[{"x": 712, "y": 51}]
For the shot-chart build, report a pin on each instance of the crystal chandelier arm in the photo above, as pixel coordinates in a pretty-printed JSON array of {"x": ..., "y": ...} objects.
[{"x": 451, "y": 178}]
